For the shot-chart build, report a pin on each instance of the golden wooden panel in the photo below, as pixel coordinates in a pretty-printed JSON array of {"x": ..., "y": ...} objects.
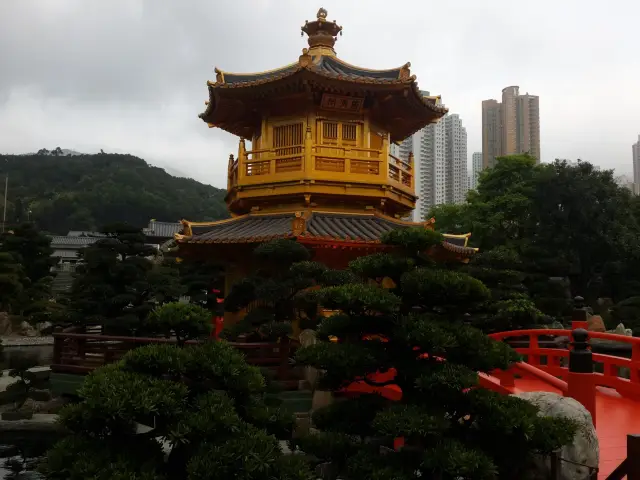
[{"x": 341, "y": 103}]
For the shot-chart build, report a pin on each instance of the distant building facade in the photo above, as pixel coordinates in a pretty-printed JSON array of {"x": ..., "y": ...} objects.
[
  {"x": 635, "y": 149},
  {"x": 66, "y": 248},
  {"x": 511, "y": 126},
  {"x": 440, "y": 164},
  {"x": 476, "y": 168}
]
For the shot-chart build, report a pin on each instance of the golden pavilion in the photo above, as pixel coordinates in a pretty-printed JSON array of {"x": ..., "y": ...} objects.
[{"x": 318, "y": 167}]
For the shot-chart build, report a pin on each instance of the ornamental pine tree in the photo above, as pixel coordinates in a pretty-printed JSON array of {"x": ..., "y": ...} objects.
[
  {"x": 416, "y": 336},
  {"x": 278, "y": 293},
  {"x": 509, "y": 306},
  {"x": 117, "y": 284},
  {"x": 32, "y": 250},
  {"x": 165, "y": 412},
  {"x": 11, "y": 280}
]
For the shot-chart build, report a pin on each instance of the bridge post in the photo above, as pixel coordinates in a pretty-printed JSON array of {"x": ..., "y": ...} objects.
[
  {"x": 579, "y": 316},
  {"x": 580, "y": 379}
]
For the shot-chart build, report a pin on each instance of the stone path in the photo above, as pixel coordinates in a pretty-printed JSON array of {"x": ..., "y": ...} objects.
[{"x": 38, "y": 423}]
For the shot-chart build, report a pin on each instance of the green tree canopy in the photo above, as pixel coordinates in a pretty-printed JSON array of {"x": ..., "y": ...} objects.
[
  {"x": 278, "y": 292},
  {"x": 31, "y": 250},
  {"x": 202, "y": 407},
  {"x": 117, "y": 284},
  {"x": 562, "y": 220},
  {"x": 419, "y": 331},
  {"x": 85, "y": 192},
  {"x": 11, "y": 280}
]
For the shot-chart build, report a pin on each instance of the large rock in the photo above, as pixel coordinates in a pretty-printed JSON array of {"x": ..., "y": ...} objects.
[
  {"x": 584, "y": 450},
  {"x": 307, "y": 338},
  {"x": 5, "y": 324},
  {"x": 44, "y": 328},
  {"x": 596, "y": 324},
  {"x": 621, "y": 330},
  {"x": 27, "y": 330}
]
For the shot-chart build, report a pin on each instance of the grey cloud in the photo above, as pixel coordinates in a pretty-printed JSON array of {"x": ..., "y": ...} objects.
[{"x": 130, "y": 75}]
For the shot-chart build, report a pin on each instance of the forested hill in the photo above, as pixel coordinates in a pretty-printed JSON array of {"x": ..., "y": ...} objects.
[{"x": 85, "y": 192}]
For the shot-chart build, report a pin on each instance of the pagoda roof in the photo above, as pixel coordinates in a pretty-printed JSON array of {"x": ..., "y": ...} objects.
[
  {"x": 327, "y": 66},
  {"x": 225, "y": 110},
  {"x": 397, "y": 105},
  {"x": 353, "y": 228}
]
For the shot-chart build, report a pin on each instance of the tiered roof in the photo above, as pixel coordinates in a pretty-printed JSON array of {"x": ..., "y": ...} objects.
[
  {"x": 308, "y": 227},
  {"x": 400, "y": 107}
]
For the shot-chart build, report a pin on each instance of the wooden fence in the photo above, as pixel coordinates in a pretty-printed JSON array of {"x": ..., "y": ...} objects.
[{"x": 81, "y": 353}]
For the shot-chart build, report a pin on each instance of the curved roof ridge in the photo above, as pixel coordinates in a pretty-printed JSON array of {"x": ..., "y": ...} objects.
[
  {"x": 333, "y": 67},
  {"x": 222, "y": 76},
  {"x": 383, "y": 70},
  {"x": 400, "y": 221}
]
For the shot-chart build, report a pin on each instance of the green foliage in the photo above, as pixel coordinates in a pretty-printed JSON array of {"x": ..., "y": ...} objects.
[
  {"x": 117, "y": 284},
  {"x": 380, "y": 265},
  {"x": 359, "y": 299},
  {"x": 561, "y": 220},
  {"x": 27, "y": 384},
  {"x": 446, "y": 289},
  {"x": 205, "y": 401},
  {"x": 413, "y": 240},
  {"x": 627, "y": 312},
  {"x": 419, "y": 335},
  {"x": 511, "y": 307},
  {"x": 184, "y": 321},
  {"x": 85, "y": 192},
  {"x": 11, "y": 280},
  {"x": 277, "y": 294},
  {"x": 281, "y": 252},
  {"x": 25, "y": 278},
  {"x": 199, "y": 280}
]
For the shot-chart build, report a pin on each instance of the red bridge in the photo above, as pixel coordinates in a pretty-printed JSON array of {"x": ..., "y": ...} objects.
[{"x": 611, "y": 393}]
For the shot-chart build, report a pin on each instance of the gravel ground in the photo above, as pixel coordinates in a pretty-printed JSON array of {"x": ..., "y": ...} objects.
[{"x": 25, "y": 341}]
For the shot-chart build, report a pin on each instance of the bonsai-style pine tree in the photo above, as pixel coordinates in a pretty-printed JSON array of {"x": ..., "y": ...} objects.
[
  {"x": 32, "y": 250},
  {"x": 11, "y": 280},
  {"x": 276, "y": 294},
  {"x": 181, "y": 321},
  {"x": 200, "y": 280},
  {"x": 509, "y": 306},
  {"x": 417, "y": 335},
  {"x": 117, "y": 284},
  {"x": 165, "y": 412}
]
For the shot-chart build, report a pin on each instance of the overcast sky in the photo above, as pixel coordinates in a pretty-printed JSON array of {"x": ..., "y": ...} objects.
[{"x": 129, "y": 75}]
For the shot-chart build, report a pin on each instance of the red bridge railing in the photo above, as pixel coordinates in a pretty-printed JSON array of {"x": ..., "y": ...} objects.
[{"x": 619, "y": 373}]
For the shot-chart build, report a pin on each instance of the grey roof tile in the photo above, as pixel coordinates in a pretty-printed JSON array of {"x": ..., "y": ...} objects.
[
  {"x": 258, "y": 228},
  {"x": 162, "y": 229}
]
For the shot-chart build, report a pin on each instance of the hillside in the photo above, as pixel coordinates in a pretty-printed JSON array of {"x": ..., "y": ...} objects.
[{"x": 85, "y": 192}]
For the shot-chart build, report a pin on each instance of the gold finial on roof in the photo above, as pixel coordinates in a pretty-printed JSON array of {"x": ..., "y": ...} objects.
[{"x": 321, "y": 32}]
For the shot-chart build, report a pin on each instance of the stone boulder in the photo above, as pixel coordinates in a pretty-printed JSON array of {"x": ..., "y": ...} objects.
[
  {"x": 307, "y": 338},
  {"x": 596, "y": 324},
  {"x": 5, "y": 324},
  {"x": 620, "y": 330},
  {"x": 27, "y": 330},
  {"x": 584, "y": 450},
  {"x": 44, "y": 328}
]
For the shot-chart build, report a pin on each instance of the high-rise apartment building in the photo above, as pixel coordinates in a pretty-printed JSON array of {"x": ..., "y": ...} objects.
[
  {"x": 476, "y": 168},
  {"x": 455, "y": 159},
  {"x": 511, "y": 126},
  {"x": 440, "y": 164},
  {"x": 635, "y": 149}
]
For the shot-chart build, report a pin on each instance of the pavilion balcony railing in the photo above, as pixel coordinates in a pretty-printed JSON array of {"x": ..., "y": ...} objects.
[{"x": 319, "y": 162}]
